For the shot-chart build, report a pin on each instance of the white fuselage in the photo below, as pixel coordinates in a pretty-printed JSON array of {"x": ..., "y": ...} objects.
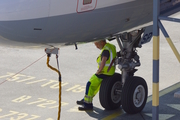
[
  {"x": 32, "y": 9},
  {"x": 57, "y": 21}
]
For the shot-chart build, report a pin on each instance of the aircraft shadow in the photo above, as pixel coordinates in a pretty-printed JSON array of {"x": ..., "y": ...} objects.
[{"x": 99, "y": 114}]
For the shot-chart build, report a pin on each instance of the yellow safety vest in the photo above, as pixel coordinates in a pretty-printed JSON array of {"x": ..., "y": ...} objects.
[{"x": 112, "y": 55}]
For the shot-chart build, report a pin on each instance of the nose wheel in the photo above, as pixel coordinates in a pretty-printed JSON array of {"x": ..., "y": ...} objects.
[
  {"x": 110, "y": 92},
  {"x": 134, "y": 95}
]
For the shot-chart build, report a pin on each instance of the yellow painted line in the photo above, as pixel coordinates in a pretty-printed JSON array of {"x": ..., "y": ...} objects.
[
  {"x": 155, "y": 95},
  {"x": 155, "y": 47},
  {"x": 161, "y": 93},
  {"x": 114, "y": 115}
]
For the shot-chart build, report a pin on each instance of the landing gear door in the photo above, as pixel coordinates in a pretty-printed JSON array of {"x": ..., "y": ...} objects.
[
  {"x": 86, "y": 5},
  {"x": 147, "y": 35}
]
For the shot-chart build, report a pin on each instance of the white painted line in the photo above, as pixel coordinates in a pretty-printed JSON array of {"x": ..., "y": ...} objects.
[{"x": 175, "y": 106}]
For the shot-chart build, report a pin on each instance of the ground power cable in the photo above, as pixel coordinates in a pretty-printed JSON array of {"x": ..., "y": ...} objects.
[{"x": 55, "y": 51}]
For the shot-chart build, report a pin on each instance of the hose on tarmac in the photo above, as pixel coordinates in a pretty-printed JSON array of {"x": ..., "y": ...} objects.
[{"x": 57, "y": 70}]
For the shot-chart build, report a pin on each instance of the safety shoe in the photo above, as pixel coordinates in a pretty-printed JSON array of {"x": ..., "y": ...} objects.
[
  {"x": 80, "y": 102},
  {"x": 86, "y": 106}
]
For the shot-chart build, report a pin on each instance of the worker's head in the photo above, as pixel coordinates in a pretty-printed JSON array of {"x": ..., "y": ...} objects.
[{"x": 100, "y": 44}]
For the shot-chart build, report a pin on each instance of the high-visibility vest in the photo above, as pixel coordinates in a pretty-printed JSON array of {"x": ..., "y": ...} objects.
[{"x": 112, "y": 55}]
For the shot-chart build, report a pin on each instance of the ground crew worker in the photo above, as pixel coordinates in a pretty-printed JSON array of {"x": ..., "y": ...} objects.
[{"x": 106, "y": 68}]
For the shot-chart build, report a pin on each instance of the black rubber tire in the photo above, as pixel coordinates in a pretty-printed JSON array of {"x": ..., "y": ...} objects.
[
  {"x": 106, "y": 90},
  {"x": 131, "y": 84}
]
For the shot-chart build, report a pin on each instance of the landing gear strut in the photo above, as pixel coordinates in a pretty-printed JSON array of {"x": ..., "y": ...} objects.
[{"x": 125, "y": 89}]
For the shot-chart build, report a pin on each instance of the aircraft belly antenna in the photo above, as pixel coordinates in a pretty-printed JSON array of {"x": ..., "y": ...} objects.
[{"x": 76, "y": 46}]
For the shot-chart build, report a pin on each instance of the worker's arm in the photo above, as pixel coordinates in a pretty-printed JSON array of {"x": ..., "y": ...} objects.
[{"x": 103, "y": 62}]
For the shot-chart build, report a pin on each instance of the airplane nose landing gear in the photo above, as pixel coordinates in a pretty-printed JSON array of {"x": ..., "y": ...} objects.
[{"x": 125, "y": 89}]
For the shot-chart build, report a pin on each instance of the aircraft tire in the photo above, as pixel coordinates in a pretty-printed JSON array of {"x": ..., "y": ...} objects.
[
  {"x": 134, "y": 95},
  {"x": 109, "y": 97}
]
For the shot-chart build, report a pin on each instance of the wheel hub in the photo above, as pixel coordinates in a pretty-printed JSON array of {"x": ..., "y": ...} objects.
[
  {"x": 116, "y": 92},
  {"x": 139, "y": 96}
]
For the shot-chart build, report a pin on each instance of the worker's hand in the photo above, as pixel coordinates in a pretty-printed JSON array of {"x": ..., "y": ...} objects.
[
  {"x": 97, "y": 72},
  {"x": 103, "y": 62}
]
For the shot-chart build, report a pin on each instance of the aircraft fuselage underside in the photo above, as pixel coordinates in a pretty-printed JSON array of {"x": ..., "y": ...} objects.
[{"x": 74, "y": 27}]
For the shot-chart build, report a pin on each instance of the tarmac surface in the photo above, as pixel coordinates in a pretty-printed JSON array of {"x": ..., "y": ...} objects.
[{"x": 32, "y": 94}]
